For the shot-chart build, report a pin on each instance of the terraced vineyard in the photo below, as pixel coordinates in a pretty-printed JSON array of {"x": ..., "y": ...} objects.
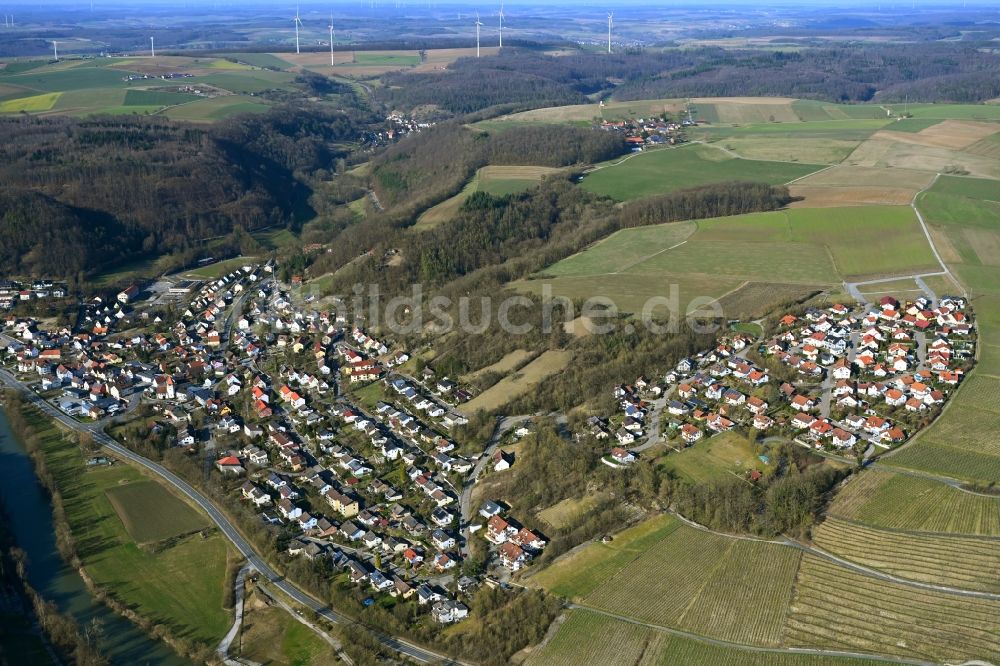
[
  {"x": 963, "y": 562},
  {"x": 709, "y": 584},
  {"x": 836, "y": 608},
  {"x": 588, "y": 637},
  {"x": 901, "y": 501}
]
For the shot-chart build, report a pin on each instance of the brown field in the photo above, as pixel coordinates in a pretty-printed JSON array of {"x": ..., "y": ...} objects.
[
  {"x": 516, "y": 172},
  {"x": 743, "y": 110},
  {"x": 509, "y": 362},
  {"x": 755, "y": 299},
  {"x": 831, "y": 197},
  {"x": 985, "y": 242},
  {"x": 908, "y": 155},
  {"x": 862, "y": 176},
  {"x": 438, "y": 59},
  {"x": 986, "y": 148},
  {"x": 944, "y": 245},
  {"x": 954, "y": 134},
  {"x": 520, "y": 382}
]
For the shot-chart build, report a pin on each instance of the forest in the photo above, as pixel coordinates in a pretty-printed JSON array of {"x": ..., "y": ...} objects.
[
  {"x": 81, "y": 195},
  {"x": 935, "y": 72}
]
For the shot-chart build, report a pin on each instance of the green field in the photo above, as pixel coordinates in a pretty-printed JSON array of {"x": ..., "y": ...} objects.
[
  {"x": 219, "y": 268},
  {"x": 801, "y": 246},
  {"x": 969, "y": 563},
  {"x": 266, "y": 60},
  {"x": 790, "y": 148},
  {"x": 180, "y": 586},
  {"x": 579, "y": 574},
  {"x": 151, "y": 513},
  {"x": 157, "y": 98},
  {"x": 216, "y": 108},
  {"x": 86, "y": 87},
  {"x": 717, "y": 457},
  {"x": 905, "y": 502},
  {"x": 836, "y": 608},
  {"x": 587, "y": 637},
  {"x": 949, "y": 111},
  {"x": 664, "y": 170},
  {"x": 366, "y": 58}
]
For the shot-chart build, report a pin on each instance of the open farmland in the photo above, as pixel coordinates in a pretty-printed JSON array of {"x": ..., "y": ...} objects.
[
  {"x": 906, "y": 502},
  {"x": 664, "y": 170},
  {"x": 790, "y": 149},
  {"x": 834, "y": 608},
  {"x": 803, "y": 249},
  {"x": 520, "y": 382},
  {"x": 151, "y": 513},
  {"x": 969, "y": 563}
]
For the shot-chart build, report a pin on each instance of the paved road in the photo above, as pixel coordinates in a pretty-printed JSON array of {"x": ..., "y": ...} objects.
[
  {"x": 244, "y": 547},
  {"x": 227, "y": 641},
  {"x": 465, "y": 499}
]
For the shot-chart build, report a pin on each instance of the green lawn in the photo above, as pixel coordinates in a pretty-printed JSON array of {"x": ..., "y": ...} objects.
[
  {"x": 151, "y": 513},
  {"x": 180, "y": 586},
  {"x": 718, "y": 457},
  {"x": 219, "y": 268},
  {"x": 157, "y": 98},
  {"x": 664, "y": 170}
]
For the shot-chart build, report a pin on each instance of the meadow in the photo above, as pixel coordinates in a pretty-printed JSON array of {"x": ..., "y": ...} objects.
[
  {"x": 659, "y": 171},
  {"x": 969, "y": 563},
  {"x": 716, "y": 258},
  {"x": 180, "y": 586},
  {"x": 836, "y": 608},
  {"x": 151, "y": 513},
  {"x": 717, "y": 457}
]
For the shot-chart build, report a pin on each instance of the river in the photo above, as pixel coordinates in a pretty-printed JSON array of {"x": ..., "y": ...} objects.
[{"x": 31, "y": 523}]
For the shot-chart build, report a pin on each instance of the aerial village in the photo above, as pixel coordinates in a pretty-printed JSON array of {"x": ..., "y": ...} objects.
[{"x": 244, "y": 371}]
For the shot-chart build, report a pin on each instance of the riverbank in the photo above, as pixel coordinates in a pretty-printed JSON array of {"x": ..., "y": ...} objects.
[{"x": 140, "y": 549}]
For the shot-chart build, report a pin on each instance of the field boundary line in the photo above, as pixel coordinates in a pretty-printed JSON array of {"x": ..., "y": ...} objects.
[
  {"x": 914, "y": 533},
  {"x": 719, "y": 642},
  {"x": 795, "y": 180},
  {"x": 848, "y": 564}
]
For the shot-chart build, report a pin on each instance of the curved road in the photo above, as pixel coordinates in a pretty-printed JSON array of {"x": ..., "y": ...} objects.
[{"x": 244, "y": 547}]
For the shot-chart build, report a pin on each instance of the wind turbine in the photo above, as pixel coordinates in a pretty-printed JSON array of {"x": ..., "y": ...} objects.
[
  {"x": 297, "y": 22},
  {"x": 55, "y": 49},
  {"x": 331, "y": 38},
  {"x": 501, "y": 24},
  {"x": 152, "y": 49},
  {"x": 478, "y": 24},
  {"x": 610, "y": 19}
]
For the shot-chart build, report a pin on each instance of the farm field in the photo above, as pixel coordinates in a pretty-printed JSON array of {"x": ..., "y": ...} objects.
[
  {"x": 834, "y": 608},
  {"x": 724, "y": 596},
  {"x": 86, "y": 87},
  {"x": 151, "y": 513},
  {"x": 520, "y": 382},
  {"x": 588, "y": 637},
  {"x": 901, "y": 501},
  {"x": 781, "y": 149},
  {"x": 664, "y": 170},
  {"x": 713, "y": 458},
  {"x": 968, "y": 563},
  {"x": 801, "y": 248},
  {"x": 180, "y": 586}
]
